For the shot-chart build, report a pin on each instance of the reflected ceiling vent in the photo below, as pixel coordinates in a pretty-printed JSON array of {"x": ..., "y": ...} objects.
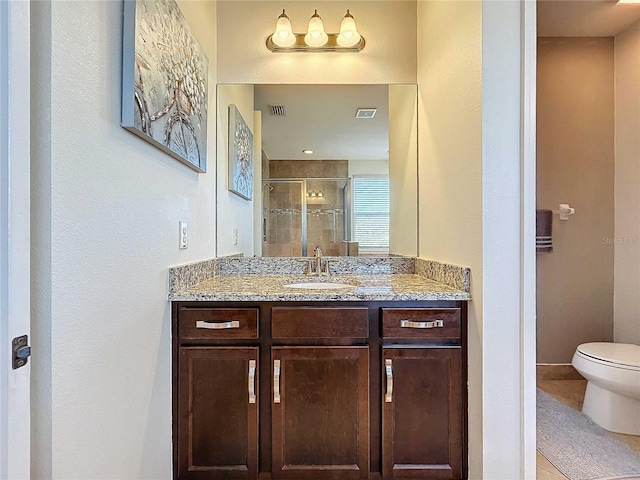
[
  {"x": 366, "y": 112},
  {"x": 277, "y": 110}
]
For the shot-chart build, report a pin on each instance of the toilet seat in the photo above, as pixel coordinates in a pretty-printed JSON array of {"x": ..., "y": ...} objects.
[{"x": 615, "y": 355}]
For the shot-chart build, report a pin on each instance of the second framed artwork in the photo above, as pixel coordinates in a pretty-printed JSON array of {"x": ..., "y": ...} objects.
[{"x": 240, "y": 164}]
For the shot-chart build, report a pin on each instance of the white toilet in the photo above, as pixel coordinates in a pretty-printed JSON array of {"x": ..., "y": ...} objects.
[{"x": 612, "y": 399}]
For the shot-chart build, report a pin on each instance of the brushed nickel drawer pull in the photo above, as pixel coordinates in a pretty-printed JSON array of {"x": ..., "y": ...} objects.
[
  {"x": 276, "y": 381},
  {"x": 217, "y": 325},
  {"x": 412, "y": 324},
  {"x": 388, "y": 396},
  {"x": 252, "y": 381}
]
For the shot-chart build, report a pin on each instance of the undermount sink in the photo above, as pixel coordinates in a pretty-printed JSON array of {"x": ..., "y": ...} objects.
[{"x": 319, "y": 285}]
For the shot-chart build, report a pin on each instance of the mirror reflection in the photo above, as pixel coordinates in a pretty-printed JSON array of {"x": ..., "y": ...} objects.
[{"x": 335, "y": 168}]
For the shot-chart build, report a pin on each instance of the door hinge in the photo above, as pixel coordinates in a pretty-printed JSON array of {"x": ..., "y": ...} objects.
[{"x": 21, "y": 351}]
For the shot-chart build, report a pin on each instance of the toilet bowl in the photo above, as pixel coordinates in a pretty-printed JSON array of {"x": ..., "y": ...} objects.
[{"x": 612, "y": 399}]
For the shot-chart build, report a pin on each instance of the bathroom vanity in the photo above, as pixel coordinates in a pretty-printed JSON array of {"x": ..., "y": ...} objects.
[{"x": 367, "y": 381}]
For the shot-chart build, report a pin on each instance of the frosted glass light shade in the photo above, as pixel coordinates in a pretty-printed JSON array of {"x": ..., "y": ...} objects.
[
  {"x": 316, "y": 36},
  {"x": 349, "y": 35},
  {"x": 283, "y": 36}
]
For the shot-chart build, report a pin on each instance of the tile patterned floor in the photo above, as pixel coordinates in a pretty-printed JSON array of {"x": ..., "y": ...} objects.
[{"x": 570, "y": 392}]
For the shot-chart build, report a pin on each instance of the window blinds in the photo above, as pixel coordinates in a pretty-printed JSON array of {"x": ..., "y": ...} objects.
[{"x": 371, "y": 213}]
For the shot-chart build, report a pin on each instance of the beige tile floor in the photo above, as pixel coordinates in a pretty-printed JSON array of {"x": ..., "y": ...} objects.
[{"x": 570, "y": 392}]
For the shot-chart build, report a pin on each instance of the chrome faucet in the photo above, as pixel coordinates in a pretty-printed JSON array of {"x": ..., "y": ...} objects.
[{"x": 317, "y": 254}]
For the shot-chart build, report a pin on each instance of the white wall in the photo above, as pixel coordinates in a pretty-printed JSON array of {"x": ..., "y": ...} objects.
[
  {"x": 403, "y": 170},
  {"x": 450, "y": 165},
  {"x": 368, "y": 167},
  {"x": 105, "y": 230},
  {"x": 389, "y": 28},
  {"x": 508, "y": 190},
  {"x": 626, "y": 308},
  {"x": 471, "y": 211},
  {"x": 234, "y": 212}
]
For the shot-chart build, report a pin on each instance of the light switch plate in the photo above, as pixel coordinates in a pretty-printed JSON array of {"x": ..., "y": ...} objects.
[{"x": 184, "y": 236}]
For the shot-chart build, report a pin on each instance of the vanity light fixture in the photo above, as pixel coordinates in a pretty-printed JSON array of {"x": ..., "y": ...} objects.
[
  {"x": 307, "y": 151},
  {"x": 348, "y": 36},
  {"x": 316, "y": 36},
  {"x": 316, "y": 39},
  {"x": 283, "y": 36}
]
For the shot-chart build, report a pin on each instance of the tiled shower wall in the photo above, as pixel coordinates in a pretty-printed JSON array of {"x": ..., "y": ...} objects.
[
  {"x": 282, "y": 204},
  {"x": 307, "y": 169}
]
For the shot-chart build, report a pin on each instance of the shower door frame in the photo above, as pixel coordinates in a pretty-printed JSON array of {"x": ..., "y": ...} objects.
[{"x": 304, "y": 205}]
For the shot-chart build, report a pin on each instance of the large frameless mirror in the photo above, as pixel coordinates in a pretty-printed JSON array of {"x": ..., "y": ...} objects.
[{"x": 334, "y": 167}]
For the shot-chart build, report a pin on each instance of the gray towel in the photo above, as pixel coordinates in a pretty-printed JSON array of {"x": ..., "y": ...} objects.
[{"x": 544, "y": 222}]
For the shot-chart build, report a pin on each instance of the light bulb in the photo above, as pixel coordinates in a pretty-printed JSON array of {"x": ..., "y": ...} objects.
[
  {"x": 349, "y": 35},
  {"x": 316, "y": 36},
  {"x": 283, "y": 36}
]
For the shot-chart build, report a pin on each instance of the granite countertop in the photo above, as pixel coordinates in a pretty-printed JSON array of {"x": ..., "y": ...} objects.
[{"x": 374, "y": 287}]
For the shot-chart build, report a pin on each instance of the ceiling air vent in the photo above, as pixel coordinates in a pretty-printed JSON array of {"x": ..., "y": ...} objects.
[
  {"x": 366, "y": 112},
  {"x": 277, "y": 110}
]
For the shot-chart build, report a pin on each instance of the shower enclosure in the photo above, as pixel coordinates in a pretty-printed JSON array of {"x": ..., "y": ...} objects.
[{"x": 300, "y": 214}]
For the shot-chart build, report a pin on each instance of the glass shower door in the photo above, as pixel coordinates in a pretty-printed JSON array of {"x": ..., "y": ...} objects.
[
  {"x": 327, "y": 220},
  {"x": 282, "y": 218}
]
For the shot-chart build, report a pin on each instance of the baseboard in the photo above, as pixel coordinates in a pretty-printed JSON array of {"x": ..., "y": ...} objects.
[{"x": 557, "y": 371}]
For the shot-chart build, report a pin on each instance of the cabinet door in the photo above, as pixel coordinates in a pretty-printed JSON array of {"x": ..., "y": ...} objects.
[
  {"x": 421, "y": 413},
  {"x": 218, "y": 413},
  {"x": 320, "y": 413}
]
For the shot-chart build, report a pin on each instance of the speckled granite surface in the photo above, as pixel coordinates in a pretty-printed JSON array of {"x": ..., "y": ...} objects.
[
  {"x": 453, "y": 275},
  {"x": 298, "y": 265},
  {"x": 185, "y": 276},
  {"x": 363, "y": 287},
  {"x": 374, "y": 278}
]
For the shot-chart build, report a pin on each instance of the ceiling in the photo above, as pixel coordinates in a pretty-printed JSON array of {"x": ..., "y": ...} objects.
[
  {"x": 585, "y": 18},
  {"x": 322, "y": 118}
]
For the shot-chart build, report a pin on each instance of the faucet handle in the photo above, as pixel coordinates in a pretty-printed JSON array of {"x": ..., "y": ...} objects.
[
  {"x": 317, "y": 252},
  {"x": 308, "y": 262},
  {"x": 328, "y": 262}
]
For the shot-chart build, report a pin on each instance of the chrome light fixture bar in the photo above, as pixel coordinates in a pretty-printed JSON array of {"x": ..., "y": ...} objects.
[{"x": 316, "y": 39}]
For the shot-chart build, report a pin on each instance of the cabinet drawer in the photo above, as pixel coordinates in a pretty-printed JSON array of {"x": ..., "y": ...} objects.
[
  {"x": 214, "y": 323},
  {"x": 311, "y": 322},
  {"x": 421, "y": 322}
]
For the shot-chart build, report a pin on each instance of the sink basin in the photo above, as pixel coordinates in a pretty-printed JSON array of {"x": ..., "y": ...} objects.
[{"x": 319, "y": 285}]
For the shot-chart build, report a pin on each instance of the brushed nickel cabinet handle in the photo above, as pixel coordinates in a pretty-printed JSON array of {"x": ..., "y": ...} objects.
[
  {"x": 217, "y": 325},
  {"x": 252, "y": 381},
  {"x": 276, "y": 381},
  {"x": 388, "y": 396},
  {"x": 412, "y": 324}
]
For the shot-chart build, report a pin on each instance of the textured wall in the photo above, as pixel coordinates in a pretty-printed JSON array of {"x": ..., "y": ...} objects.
[
  {"x": 575, "y": 166},
  {"x": 450, "y": 164},
  {"x": 389, "y": 56},
  {"x": 105, "y": 222},
  {"x": 626, "y": 306}
]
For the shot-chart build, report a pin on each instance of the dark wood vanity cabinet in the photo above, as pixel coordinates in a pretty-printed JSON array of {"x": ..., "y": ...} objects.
[
  {"x": 293, "y": 390},
  {"x": 320, "y": 413},
  {"x": 218, "y": 413},
  {"x": 422, "y": 398},
  {"x": 422, "y": 413}
]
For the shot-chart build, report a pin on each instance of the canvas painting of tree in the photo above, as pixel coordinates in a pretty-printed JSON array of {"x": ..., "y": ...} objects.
[{"x": 164, "y": 85}]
